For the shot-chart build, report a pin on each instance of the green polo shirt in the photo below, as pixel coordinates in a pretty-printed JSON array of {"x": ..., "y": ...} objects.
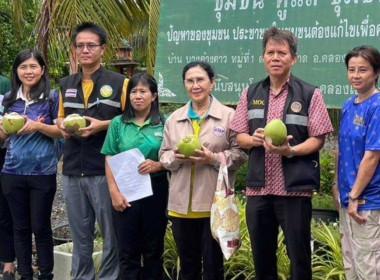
[
  {"x": 123, "y": 136},
  {"x": 5, "y": 85}
]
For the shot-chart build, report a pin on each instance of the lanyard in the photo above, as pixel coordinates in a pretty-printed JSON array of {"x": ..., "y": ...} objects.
[{"x": 197, "y": 126}]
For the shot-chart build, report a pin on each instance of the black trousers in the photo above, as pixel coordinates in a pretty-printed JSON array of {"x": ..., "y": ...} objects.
[
  {"x": 196, "y": 246},
  {"x": 7, "y": 251},
  {"x": 30, "y": 199},
  {"x": 264, "y": 215},
  {"x": 140, "y": 232}
]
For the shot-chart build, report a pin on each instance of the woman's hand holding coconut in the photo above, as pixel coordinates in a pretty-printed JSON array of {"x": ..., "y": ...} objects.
[
  {"x": 205, "y": 156},
  {"x": 194, "y": 136},
  {"x": 3, "y": 134},
  {"x": 31, "y": 126},
  {"x": 31, "y": 163}
]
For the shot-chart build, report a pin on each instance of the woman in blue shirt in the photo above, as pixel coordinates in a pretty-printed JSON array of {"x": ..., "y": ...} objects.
[
  {"x": 358, "y": 170},
  {"x": 28, "y": 176}
]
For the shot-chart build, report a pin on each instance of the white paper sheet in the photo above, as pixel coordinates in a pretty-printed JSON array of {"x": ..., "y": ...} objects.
[{"x": 130, "y": 182}]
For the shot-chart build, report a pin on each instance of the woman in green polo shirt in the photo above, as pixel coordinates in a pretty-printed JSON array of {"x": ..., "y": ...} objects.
[{"x": 140, "y": 225}]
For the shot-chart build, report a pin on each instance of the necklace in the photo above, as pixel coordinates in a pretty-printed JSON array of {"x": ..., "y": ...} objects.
[
  {"x": 364, "y": 97},
  {"x": 201, "y": 113},
  {"x": 201, "y": 109}
]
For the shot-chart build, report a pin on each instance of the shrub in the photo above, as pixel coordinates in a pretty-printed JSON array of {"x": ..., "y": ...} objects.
[
  {"x": 323, "y": 201},
  {"x": 327, "y": 259},
  {"x": 241, "y": 178},
  {"x": 327, "y": 163},
  {"x": 168, "y": 108},
  {"x": 171, "y": 256}
]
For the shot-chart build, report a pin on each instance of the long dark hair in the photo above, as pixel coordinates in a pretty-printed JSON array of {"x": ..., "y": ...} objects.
[
  {"x": 41, "y": 88},
  {"x": 147, "y": 80}
]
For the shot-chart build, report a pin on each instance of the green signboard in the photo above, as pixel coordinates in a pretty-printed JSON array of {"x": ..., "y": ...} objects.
[{"x": 228, "y": 34}]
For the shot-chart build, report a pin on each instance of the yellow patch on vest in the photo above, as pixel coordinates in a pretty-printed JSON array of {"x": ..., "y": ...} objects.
[{"x": 258, "y": 102}]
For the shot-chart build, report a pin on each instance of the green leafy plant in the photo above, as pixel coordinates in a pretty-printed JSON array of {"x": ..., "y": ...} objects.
[
  {"x": 172, "y": 264},
  {"x": 240, "y": 265},
  {"x": 168, "y": 108},
  {"x": 323, "y": 201},
  {"x": 327, "y": 163},
  {"x": 328, "y": 257},
  {"x": 241, "y": 178},
  {"x": 283, "y": 262}
]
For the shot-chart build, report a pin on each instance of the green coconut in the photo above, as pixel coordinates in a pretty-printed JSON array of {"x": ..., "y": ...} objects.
[
  {"x": 73, "y": 123},
  {"x": 13, "y": 122},
  {"x": 188, "y": 145},
  {"x": 276, "y": 131}
]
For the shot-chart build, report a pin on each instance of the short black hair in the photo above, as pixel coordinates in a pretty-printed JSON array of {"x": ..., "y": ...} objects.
[
  {"x": 369, "y": 53},
  {"x": 147, "y": 80},
  {"x": 280, "y": 36},
  {"x": 204, "y": 65},
  {"x": 90, "y": 27}
]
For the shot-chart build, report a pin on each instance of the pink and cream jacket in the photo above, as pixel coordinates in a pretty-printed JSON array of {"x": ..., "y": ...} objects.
[{"x": 218, "y": 138}]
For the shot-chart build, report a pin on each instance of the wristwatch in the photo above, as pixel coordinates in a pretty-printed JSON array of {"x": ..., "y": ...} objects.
[
  {"x": 292, "y": 153},
  {"x": 352, "y": 199}
]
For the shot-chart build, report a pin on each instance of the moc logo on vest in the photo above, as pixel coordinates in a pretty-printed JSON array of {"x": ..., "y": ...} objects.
[{"x": 258, "y": 102}]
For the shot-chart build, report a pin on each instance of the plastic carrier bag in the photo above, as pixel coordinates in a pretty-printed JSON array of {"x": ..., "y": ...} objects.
[{"x": 225, "y": 222}]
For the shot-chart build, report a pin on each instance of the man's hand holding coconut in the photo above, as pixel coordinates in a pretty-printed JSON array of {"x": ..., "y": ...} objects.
[{"x": 94, "y": 127}]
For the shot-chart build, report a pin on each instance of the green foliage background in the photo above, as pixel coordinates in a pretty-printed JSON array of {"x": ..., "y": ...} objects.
[
  {"x": 14, "y": 38},
  {"x": 327, "y": 258}
]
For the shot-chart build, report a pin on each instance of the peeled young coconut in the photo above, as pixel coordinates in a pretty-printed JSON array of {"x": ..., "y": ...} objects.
[
  {"x": 276, "y": 131},
  {"x": 73, "y": 123},
  {"x": 188, "y": 145},
  {"x": 13, "y": 122}
]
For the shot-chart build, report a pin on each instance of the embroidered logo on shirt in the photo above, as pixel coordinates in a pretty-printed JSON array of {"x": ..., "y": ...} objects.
[
  {"x": 359, "y": 121},
  {"x": 106, "y": 91},
  {"x": 71, "y": 92},
  {"x": 258, "y": 103},
  {"x": 158, "y": 134},
  {"x": 219, "y": 130},
  {"x": 296, "y": 107}
]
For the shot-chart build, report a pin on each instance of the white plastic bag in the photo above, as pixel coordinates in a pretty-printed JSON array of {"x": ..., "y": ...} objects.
[{"x": 225, "y": 222}]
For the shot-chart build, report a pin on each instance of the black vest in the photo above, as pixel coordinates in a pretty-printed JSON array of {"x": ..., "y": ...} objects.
[
  {"x": 301, "y": 172},
  {"x": 82, "y": 156}
]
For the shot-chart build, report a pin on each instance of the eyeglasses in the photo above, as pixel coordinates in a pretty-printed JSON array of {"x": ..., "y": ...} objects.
[{"x": 90, "y": 47}]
